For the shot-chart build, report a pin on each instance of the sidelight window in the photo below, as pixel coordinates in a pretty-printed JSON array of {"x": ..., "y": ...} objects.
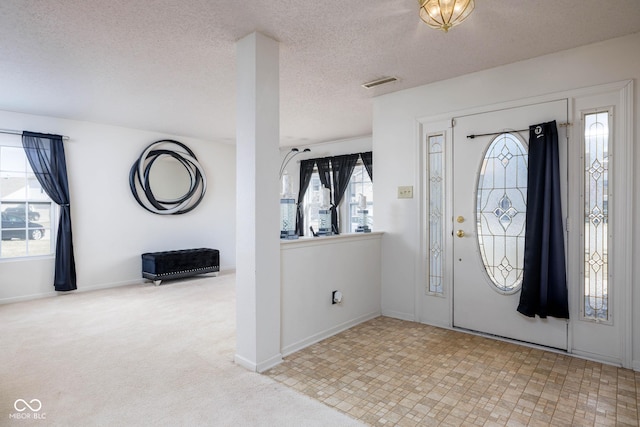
[
  {"x": 435, "y": 160},
  {"x": 596, "y": 216}
]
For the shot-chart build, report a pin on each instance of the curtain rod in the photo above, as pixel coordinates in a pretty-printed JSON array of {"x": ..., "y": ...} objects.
[
  {"x": 521, "y": 130},
  {"x": 337, "y": 155},
  {"x": 19, "y": 132}
]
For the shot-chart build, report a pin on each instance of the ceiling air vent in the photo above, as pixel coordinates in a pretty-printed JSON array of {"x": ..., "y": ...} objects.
[{"x": 379, "y": 82}]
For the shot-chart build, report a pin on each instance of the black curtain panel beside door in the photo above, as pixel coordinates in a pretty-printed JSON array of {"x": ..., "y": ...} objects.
[{"x": 544, "y": 283}]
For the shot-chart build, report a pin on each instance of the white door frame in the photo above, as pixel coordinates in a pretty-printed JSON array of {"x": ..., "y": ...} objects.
[{"x": 438, "y": 310}]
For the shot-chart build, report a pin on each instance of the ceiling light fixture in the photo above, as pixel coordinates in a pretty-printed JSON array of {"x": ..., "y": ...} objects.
[{"x": 444, "y": 14}]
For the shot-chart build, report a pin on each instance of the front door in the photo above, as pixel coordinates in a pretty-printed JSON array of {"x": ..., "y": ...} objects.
[{"x": 489, "y": 209}]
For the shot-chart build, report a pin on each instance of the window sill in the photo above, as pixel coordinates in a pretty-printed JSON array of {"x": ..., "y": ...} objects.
[
  {"x": 329, "y": 240},
  {"x": 27, "y": 258}
]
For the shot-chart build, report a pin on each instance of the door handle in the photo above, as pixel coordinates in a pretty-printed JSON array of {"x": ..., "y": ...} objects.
[{"x": 460, "y": 233}]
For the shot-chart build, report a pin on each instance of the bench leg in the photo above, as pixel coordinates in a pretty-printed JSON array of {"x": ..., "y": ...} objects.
[{"x": 157, "y": 282}]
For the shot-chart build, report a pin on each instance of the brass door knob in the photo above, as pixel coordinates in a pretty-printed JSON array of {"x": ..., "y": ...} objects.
[
  {"x": 460, "y": 233},
  {"x": 460, "y": 219}
]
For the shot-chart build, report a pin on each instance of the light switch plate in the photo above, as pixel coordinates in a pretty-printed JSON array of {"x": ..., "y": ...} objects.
[{"x": 405, "y": 192}]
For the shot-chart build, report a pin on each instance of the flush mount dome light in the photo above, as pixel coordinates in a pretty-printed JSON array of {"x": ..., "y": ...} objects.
[{"x": 444, "y": 14}]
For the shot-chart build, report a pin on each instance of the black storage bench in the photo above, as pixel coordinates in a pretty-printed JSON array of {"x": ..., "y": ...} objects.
[{"x": 159, "y": 266}]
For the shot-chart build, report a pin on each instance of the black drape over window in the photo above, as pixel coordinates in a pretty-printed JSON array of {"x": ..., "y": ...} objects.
[
  {"x": 46, "y": 157},
  {"x": 342, "y": 168},
  {"x": 324, "y": 171},
  {"x": 367, "y": 159},
  {"x": 306, "y": 171},
  {"x": 544, "y": 283}
]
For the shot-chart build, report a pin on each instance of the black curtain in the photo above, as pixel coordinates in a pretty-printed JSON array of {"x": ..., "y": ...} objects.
[
  {"x": 324, "y": 170},
  {"x": 306, "y": 170},
  {"x": 544, "y": 283},
  {"x": 367, "y": 159},
  {"x": 46, "y": 156},
  {"x": 342, "y": 168}
]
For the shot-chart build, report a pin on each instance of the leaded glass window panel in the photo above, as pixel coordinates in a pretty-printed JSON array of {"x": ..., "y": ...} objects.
[
  {"x": 596, "y": 215},
  {"x": 501, "y": 211},
  {"x": 436, "y": 210}
]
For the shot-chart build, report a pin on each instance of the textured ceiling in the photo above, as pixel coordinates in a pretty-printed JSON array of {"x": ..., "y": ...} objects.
[{"x": 169, "y": 65}]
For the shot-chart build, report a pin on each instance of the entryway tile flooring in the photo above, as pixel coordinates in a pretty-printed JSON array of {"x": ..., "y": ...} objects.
[{"x": 389, "y": 372}]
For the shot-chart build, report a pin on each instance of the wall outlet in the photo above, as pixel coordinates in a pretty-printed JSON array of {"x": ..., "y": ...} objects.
[
  {"x": 336, "y": 297},
  {"x": 405, "y": 192}
]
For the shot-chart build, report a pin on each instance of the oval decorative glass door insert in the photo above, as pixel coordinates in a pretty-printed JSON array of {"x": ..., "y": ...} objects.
[{"x": 501, "y": 211}]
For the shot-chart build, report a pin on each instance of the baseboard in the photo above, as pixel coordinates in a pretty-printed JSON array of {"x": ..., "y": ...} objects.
[
  {"x": 297, "y": 346},
  {"x": 594, "y": 357},
  {"x": 80, "y": 289},
  {"x": 269, "y": 363},
  {"x": 21, "y": 298},
  {"x": 110, "y": 285},
  {"x": 258, "y": 367},
  {"x": 636, "y": 365},
  {"x": 245, "y": 363},
  {"x": 399, "y": 315}
]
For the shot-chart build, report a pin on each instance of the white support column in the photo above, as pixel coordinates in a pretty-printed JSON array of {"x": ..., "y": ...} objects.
[{"x": 257, "y": 209}]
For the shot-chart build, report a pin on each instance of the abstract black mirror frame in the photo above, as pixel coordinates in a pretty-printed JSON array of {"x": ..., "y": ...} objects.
[{"x": 167, "y": 178}]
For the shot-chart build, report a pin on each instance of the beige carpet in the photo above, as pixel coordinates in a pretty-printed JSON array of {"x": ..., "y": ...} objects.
[{"x": 140, "y": 356}]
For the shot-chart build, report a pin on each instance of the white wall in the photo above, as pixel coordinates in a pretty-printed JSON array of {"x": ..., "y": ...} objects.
[
  {"x": 395, "y": 148},
  {"x": 110, "y": 229},
  {"x": 312, "y": 268}
]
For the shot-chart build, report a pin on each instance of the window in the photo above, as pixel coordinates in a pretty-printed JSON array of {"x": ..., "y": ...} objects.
[
  {"x": 596, "y": 216},
  {"x": 25, "y": 208},
  {"x": 435, "y": 160},
  {"x": 359, "y": 183},
  {"x": 312, "y": 204},
  {"x": 501, "y": 211}
]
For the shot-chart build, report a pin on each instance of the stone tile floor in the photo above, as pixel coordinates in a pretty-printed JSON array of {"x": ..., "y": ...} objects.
[{"x": 389, "y": 372}]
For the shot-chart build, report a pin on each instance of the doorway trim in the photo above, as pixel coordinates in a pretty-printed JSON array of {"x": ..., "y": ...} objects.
[{"x": 439, "y": 312}]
